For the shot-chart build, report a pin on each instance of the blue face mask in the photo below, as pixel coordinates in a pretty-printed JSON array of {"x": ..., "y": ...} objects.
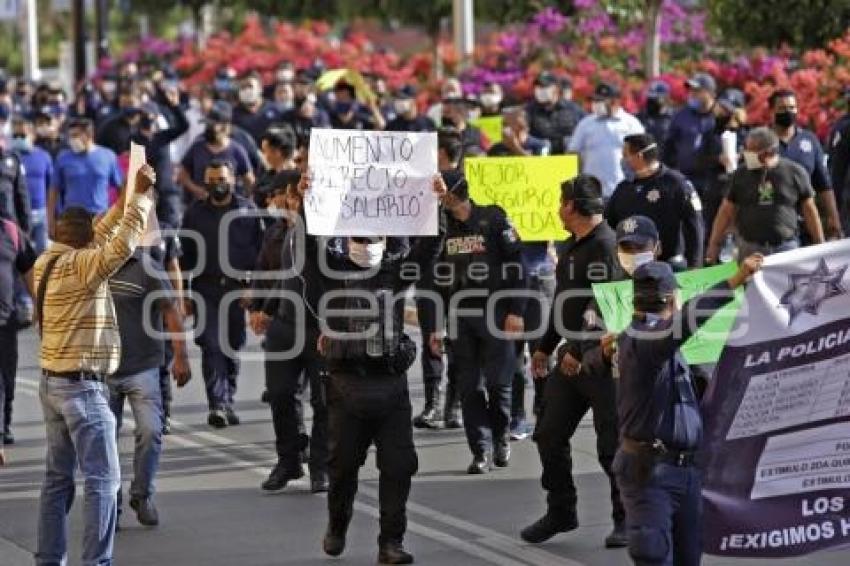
[{"x": 22, "y": 145}]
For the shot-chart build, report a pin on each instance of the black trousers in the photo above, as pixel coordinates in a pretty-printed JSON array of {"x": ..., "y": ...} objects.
[
  {"x": 536, "y": 316},
  {"x": 565, "y": 402},
  {"x": 8, "y": 369},
  {"x": 363, "y": 408},
  {"x": 286, "y": 381}
]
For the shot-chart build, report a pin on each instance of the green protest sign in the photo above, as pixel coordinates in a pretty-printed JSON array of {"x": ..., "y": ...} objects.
[
  {"x": 615, "y": 302},
  {"x": 527, "y": 188},
  {"x": 490, "y": 126}
]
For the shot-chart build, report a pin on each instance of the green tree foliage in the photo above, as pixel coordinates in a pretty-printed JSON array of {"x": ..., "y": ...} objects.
[{"x": 798, "y": 23}]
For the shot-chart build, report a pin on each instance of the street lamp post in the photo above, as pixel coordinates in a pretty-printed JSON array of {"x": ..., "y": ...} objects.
[
  {"x": 29, "y": 26},
  {"x": 101, "y": 16},
  {"x": 463, "y": 20},
  {"x": 78, "y": 18}
]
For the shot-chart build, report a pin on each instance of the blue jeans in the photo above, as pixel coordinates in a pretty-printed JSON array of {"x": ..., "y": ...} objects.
[
  {"x": 38, "y": 217},
  {"x": 142, "y": 390},
  {"x": 663, "y": 512},
  {"x": 80, "y": 430}
]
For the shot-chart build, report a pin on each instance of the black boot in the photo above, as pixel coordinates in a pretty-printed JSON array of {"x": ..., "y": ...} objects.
[
  {"x": 501, "y": 453},
  {"x": 480, "y": 464},
  {"x": 393, "y": 553},
  {"x": 334, "y": 541},
  {"x": 552, "y": 523},
  {"x": 430, "y": 417},
  {"x": 619, "y": 537},
  {"x": 452, "y": 410}
]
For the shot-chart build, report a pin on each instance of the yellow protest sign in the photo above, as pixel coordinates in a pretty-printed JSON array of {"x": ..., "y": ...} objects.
[
  {"x": 528, "y": 188},
  {"x": 490, "y": 126}
]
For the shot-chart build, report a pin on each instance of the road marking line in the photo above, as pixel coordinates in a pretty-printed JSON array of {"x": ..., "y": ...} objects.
[{"x": 446, "y": 539}]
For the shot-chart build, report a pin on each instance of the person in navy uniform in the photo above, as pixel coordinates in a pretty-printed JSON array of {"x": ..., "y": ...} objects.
[
  {"x": 658, "y": 412},
  {"x": 689, "y": 126},
  {"x": 484, "y": 252},
  {"x": 656, "y": 114},
  {"x": 803, "y": 147},
  {"x": 664, "y": 195},
  {"x": 243, "y": 241}
]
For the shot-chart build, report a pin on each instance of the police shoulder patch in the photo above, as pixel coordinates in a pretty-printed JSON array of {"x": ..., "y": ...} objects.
[
  {"x": 696, "y": 203},
  {"x": 806, "y": 146}
]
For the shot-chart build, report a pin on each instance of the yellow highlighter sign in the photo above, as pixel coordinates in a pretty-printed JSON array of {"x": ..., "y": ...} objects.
[{"x": 528, "y": 188}]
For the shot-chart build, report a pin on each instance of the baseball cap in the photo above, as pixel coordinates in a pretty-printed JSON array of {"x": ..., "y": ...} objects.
[
  {"x": 407, "y": 91},
  {"x": 637, "y": 229},
  {"x": 545, "y": 79},
  {"x": 702, "y": 81},
  {"x": 732, "y": 99},
  {"x": 658, "y": 89},
  {"x": 220, "y": 112},
  {"x": 653, "y": 280},
  {"x": 605, "y": 91}
]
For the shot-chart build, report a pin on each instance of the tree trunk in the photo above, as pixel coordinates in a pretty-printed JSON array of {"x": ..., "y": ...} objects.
[{"x": 652, "y": 64}]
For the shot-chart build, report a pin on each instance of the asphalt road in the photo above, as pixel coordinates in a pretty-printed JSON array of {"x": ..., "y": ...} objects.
[{"x": 213, "y": 512}]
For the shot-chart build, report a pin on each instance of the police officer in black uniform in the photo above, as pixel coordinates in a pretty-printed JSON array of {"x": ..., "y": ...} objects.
[
  {"x": 483, "y": 251},
  {"x": 368, "y": 355},
  {"x": 243, "y": 240},
  {"x": 14, "y": 197},
  {"x": 549, "y": 117},
  {"x": 277, "y": 318},
  {"x": 576, "y": 384},
  {"x": 660, "y": 422},
  {"x": 665, "y": 196}
]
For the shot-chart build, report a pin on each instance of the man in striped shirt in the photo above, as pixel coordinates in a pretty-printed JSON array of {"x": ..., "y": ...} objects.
[{"x": 80, "y": 345}]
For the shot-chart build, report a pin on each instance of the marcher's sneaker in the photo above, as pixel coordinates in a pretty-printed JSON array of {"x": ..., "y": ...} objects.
[
  {"x": 430, "y": 418},
  {"x": 520, "y": 431},
  {"x": 145, "y": 510},
  {"x": 280, "y": 476},
  {"x": 264, "y": 397},
  {"x": 232, "y": 417},
  {"x": 334, "y": 541},
  {"x": 166, "y": 425},
  {"x": 319, "y": 483},
  {"x": 619, "y": 537},
  {"x": 8, "y": 437},
  {"x": 501, "y": 454},
  {"x": 548, "y": 526},
  {"x": 480, "y": 464},
  {"x": 393, "y": 553},
  {"x": 217, "y": 419}
]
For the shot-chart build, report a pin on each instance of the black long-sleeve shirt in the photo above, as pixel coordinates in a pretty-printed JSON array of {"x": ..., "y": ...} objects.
[
  {"x": 157, "y": 150},
  {"x": 583, "y": 261},
  {"x": 14, "y": 196}
]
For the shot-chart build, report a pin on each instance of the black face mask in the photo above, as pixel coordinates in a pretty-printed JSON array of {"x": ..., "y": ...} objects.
[
  {"x": 785, "y": 119},
  {"x": 721, "y": 124},
  {"x": 211, "y": 134},
  {"x": 219, "y": 191},
  {"x": 653, "y": 106}
]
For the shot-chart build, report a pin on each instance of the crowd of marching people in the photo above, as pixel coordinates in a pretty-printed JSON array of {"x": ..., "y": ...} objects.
[{"x": 663, "y": 191}]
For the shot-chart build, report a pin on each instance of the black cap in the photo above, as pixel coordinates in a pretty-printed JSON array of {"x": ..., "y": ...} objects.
[
  {"x": 654, "y": 280},
  {"x": 407, "y": 91},
  {"x": 304, "y": 76},
  {"x": 702, "y": 81},
  {"x": 605, "y": 91},
  {"x": 545, "y": 79},
  {"x": 220, "y": 112},
  {"x": 456, "y": 183},
  {"x": 637, "y": 229}
]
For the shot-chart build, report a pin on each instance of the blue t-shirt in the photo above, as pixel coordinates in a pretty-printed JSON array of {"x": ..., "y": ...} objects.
[
  {"x": 38, "y": 166},
  {"x": 83, "y": 179},
  {"x": 199, "y": 156}
]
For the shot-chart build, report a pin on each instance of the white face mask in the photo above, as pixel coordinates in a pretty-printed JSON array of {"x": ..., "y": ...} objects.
[
  {"x": 366, "y": 255},
  {"x": 599, "y": 108},
  {"x": 491, "y": 99},
  {"x": 286, "y": 75},
  {"x": 248, "y": 95},
  {"x": 77, "y": 145},
  {"x": 403, "y": 106},
  {"x": 751, "y": 160},
  {"x": 43, "y": 131},
  {"x": 630, "y": 262},
  {"x": 544, "y": 94}
]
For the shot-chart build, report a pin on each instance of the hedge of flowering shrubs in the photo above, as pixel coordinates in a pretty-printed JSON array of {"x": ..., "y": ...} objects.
[{"x": 590, "y": 45}]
